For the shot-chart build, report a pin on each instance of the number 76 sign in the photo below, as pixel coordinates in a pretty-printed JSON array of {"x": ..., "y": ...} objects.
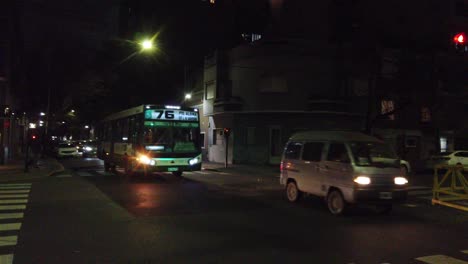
[{"x": 163, "y": 114}]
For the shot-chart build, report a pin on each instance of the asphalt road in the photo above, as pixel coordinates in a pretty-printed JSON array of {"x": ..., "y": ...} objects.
[{"x": 87, "y": 216}]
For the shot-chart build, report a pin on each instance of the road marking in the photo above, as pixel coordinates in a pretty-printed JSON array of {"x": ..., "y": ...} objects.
[
  {"x": 64, "y": 176},
  {"x": 11, "y": 216},
  {"x": 8, "y": 240},
  {"x": 10, "y": 226},
  {"x": 15, "y": 188},
  {"x": 13, "y": 196},
  {"x": 15, "y": 184},
  {"x": 12, "y": 207},
  {"x": 13, "y": 191},
  {"x": 6, "y": 259},
  {"x": 465, "y": 251},
  {"x": 438, "y": 259},
  {"x": 18, "y": 201}
]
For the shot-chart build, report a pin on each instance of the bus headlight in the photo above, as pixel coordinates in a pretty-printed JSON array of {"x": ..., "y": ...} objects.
[
  {"x": 400, "y": 180},
  {"x": 363, "y": 180},
  {"x": 146, "y": 160},
  {"x": 193, "y": 161}
]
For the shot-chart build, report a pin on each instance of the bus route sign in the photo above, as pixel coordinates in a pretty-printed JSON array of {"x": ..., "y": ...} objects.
[{"x": 165, "y": 114}]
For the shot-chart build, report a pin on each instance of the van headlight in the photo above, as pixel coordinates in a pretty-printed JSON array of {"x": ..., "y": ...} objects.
[
  {"x": 194, "y": 161},
  {"x": 400, "y": 180},
  {"x": 363, "y": 180},
  {"x": 146, "y": 160}
]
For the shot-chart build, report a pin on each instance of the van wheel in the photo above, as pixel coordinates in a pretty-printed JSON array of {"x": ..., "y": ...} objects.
[
  {"x": 335, "y": 202},
  {"x": 384, "y": 209},
  {"x": 292, "y": 192}
]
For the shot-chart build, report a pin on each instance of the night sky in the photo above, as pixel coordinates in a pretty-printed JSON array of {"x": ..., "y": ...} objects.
[{"x": 67, "y": 44}]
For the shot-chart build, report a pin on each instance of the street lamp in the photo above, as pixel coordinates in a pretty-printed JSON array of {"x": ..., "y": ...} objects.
[
  {"x": 188, "y": 96},
  {"x": 73, "y": 111},
  {"x": 86, "y": 126},
  {"x": 147, "y": 45},
  {"x": 42, "y": 114}
]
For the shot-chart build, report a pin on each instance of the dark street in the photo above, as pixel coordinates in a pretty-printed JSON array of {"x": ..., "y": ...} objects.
[{"x": 85, "y": 216}]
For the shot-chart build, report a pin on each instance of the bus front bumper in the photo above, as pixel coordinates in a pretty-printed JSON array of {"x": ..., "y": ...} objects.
[{"x": 180, "y": 168}]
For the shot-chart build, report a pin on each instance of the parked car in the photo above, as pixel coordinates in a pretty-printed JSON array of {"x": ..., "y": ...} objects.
[
  {"x": 66, "y": 149},
  {"x": 344, "y": 168},
  {"x": 457, "y": 157},
  {"x": 89, "y": 149}
]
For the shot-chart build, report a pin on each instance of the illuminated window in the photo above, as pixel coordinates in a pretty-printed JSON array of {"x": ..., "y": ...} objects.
[
  {"x": 212, "y": 1},
  {"x": 425, "y": 114},
  {"x": 443, "y": 144},
  {"x": 387, "y": 106}
]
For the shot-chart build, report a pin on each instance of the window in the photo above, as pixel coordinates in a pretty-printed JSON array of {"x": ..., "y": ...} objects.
[
  {"x": 210, "y": 90},
  {"x": 461, "y": 154},
  {"x": 337, "y": 152},
  {"x": 425, "y": 114},
  {"x": 202, "y": 140},
  {"x": 293, "y": 150},
  {"x": 212, "y": 1},
  {"x": 250, "y": 135},
  {"x": 125, "y": 129},
  {"x": 312, "y": 151},
  {"x": 387, "y": 106},
  {"x": 411, "y": 142},
  {"x": 215, "y": 137},
  {"x": 443, "y": 144}
]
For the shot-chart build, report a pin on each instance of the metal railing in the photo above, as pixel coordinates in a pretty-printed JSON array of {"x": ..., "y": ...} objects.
[{"x": 452, "y": 188}]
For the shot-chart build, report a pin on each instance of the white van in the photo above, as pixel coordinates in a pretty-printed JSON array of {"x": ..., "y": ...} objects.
[{"x": 344, "y": 167}]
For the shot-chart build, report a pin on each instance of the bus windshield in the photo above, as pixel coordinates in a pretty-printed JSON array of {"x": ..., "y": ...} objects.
[
  {"x": 171, "y": 139},
  {"x": 373, "y": 154}
]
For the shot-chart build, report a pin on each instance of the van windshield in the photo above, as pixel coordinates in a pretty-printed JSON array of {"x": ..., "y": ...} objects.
[{"x": 373, "y": 154}]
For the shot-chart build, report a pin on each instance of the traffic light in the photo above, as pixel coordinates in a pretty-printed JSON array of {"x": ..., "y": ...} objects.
[
  {"x": 227, "y": 132},
  {"x": 460, "y": 41}
]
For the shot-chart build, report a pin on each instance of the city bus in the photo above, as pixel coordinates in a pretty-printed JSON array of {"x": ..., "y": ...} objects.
[{"x": 151, "y": 138}]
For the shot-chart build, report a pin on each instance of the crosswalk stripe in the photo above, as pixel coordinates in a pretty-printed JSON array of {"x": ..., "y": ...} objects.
[
  {"x": 12, "y": 207},
  {"x": 13, "y": 196},
  {"x": 438, "y": 259},
  {"x": 13, "y": 191},
  {"x": 17, "y": 201},
  {"x": 6, "y": 259},
  {"x": 8, "y": 240},
  {"x": 11, "y": 216},
  {"x": 15, "y": 188},
  {"x": 10, "y": 226},
  {"x": 15, "y": 184}
]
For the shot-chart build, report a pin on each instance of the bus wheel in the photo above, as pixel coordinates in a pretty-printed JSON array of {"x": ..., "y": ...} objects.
[{"x": 177, "y": 173}]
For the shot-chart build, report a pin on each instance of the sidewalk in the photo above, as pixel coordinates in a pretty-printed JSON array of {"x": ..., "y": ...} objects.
[{"x": 14, "y": 171}]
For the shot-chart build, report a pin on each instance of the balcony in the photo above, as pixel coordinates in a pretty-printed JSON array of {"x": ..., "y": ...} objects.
[{"x": 228, "y": 104}]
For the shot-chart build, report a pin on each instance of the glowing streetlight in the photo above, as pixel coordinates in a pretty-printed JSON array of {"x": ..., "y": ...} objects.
[
  {"x": 73, "y": 111},
  {"x": 42, "y": 114},
  {"x": 147, "y": 45},
  {"x": 188, "y": 96},
  {"x": 86, "y": 126}
]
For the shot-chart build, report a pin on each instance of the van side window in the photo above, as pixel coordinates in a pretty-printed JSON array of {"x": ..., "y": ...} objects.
[
  {"x": 293, "y": 150},
  {"x": 337, "y": 152},
  {"x": 312, "y": 151}
]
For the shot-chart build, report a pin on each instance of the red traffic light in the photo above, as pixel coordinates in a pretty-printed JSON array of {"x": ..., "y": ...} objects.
[
  {"x": 459, "y": 38},
  {"x": 33, "y": 137}
]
